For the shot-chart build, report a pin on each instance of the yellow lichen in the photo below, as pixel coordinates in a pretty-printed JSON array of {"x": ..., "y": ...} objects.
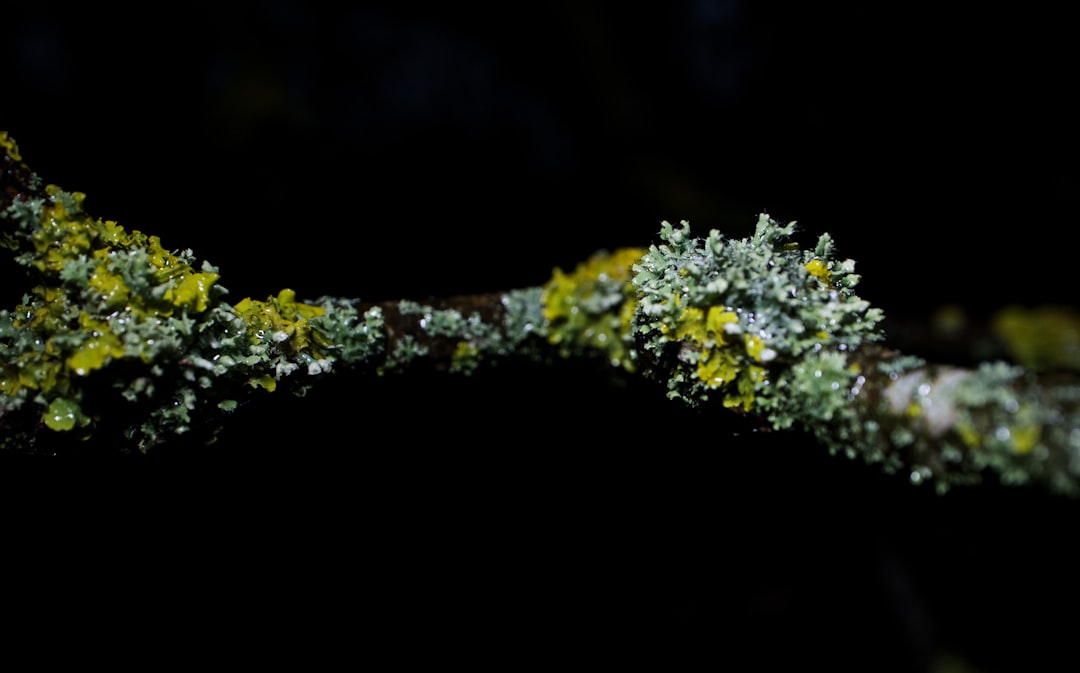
[
  {"x": 592, "y": 308},
  {"x": 1024, "y": 438},
  {"x": 101, "y": 346},
  {"x": 754, "y": 347},
  {"x": 10, "y": 147},
  {"x": 720, "y": 364},
  {"x": 819, "y": 270},
  {"x": 62, "y": 414},
  {"x": 281, "y": 319},
  {"x": 968, "y": 434},
  {"x": 192, "y": 292},
  {"x": 1043, "y": 338}
]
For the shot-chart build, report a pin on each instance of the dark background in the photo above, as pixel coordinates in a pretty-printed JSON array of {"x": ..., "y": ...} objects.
[{"x": 418, "y": 149}]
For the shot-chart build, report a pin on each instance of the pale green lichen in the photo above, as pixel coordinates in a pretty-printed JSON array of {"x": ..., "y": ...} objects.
[
  {"x": 734, "y": 318},
  {"x": 111, "y": 299},
  {"x": 524, "y": 317},
  {"x": 474, "y": 338}
]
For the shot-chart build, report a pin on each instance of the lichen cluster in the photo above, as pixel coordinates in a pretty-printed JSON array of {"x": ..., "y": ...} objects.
[
  {"x": 742, "y": 320},
  {"x": 116, "y": 317},
  {"x": 464, "y": 340},
  {"x": 119, "y": 330},
  {"x": 122, "y": 333},
  {"x": 591, "y": 309},
  {"x": 950, "y": 426}
]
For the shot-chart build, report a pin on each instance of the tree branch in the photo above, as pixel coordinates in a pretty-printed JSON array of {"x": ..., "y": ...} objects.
[{"x": 116, "y": 335}]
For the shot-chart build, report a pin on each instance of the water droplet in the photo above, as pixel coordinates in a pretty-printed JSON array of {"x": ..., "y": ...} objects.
[
  {"x": 1002, "y": 434},
  {"x": 924, "y": 389},
  {"x": 858, "y": 385}
]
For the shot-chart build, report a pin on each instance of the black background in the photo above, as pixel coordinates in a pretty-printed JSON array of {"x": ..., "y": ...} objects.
[{"x": 414, "y": 149}]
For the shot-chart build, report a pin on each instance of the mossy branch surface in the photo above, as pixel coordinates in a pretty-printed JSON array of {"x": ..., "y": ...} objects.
[{"x": 118, "y": 335}]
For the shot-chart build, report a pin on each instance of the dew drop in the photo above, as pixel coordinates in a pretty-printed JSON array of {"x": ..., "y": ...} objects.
[{"x": 858, "y": 385}]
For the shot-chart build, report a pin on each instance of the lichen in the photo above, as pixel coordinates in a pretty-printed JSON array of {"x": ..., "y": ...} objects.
[
  {"x": 467, "y": 340},
  {"x": 736, "y": 319},
  {"x": 115, "y": 315},
  {"x": 119, "y": 330},
  {"x": 590, "y": 309},
  {"x": 1046, "y": 338},
  {"x": 9, "y": 146}
]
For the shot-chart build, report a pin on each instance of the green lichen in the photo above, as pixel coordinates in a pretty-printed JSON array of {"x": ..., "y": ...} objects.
[
  {"x": 955, "y": 425},
  {"x": 471, "y": 339},
  {"x": 115, "y": 316},
  {"x": 118, "y": 330},
  {"x": 736, "y": 319},
  {"x": 590, "y": 309},
  {"x": 281, "y": 329}
]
